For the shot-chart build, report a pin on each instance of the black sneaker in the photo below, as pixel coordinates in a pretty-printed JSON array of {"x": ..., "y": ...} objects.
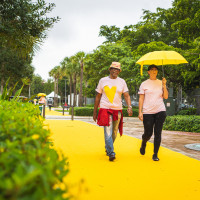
[
  {"x": 155, "y": 157},
  {"x": 142, "y": 149},
  {"x": 111, "y": 157}
]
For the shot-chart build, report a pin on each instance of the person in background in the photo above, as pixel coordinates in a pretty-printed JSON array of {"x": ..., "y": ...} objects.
[
  {"x": 152, "y": 109},
  {"x": 42, "y": 100},
  {"x": 35, "y": 101},
  {"x": 50, "y": 103},
  {"x": 109, "y": 92}
]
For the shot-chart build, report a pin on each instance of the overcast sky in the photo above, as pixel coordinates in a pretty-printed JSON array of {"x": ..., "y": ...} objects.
[{"x": 80, "y": 23}]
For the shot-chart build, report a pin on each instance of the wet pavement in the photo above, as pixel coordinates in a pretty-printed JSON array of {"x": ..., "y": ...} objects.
[{"x": 174, "y": 140}]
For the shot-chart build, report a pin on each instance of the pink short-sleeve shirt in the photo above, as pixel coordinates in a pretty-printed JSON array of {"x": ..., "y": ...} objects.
[
  {"x": 153, "y": 96},
  {"x": 111, "y": 90}
]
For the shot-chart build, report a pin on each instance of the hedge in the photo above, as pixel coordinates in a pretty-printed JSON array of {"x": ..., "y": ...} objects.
[
  {"x": 29, "y": 167},
  {"x": 188, "y": 111},
  {"x": 187, "y": 123},
  {"x": 88, "y": 111}
]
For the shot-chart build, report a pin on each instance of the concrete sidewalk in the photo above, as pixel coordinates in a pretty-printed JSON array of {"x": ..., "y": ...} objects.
[{"x": 131, "y": 175}]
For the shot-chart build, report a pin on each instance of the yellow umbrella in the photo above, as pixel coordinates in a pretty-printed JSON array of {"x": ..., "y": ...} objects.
[
  {"x": 161, "y": 58},
  {"x": 41, "y": 94}
]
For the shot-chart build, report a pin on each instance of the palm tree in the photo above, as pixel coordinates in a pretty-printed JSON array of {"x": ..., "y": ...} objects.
[
  {"x": 67, "y": 70},
  {"x": 80, "y": 59},
  {"x": 56, "y": 73},
  {"x": 75, "y": 72},
  {"x": 71, "y": 68}
]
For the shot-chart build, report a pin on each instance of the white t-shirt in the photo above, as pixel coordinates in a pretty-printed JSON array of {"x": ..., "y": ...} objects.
[
  {"x": 111, "y": 90},
  {"x": 153, "y": 96}
]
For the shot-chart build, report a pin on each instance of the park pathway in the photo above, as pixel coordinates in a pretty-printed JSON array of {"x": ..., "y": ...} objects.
[{"x": 131, "y": 175}]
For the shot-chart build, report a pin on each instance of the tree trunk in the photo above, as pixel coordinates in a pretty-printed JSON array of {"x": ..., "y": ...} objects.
[
  {"x": 70, "y": 90},
  {"x": 57, "y": 93},
  {"x": 2, "y": 77},
  {"x": 2, "y": 83},
  {"x": 55, "y": 96},
  {"x": 74, "y": 90},
  {"x": 86, "y": 84},
  {"x": 179, "y": 97},
  {"x": 197, "y": 100},
  {"x": 198, "y": 104},
  {"x": 80, "y": 102}
]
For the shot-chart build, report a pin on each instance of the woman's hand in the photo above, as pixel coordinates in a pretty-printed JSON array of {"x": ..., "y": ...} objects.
[
  {"x": 164, "y": 81},
  {"x": 140, "y": 116},
  {"x": 165, "y": 92}
]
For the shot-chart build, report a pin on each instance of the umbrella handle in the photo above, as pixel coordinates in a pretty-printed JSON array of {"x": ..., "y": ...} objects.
[
  {"x": 163, "y": 71},
  {"x": 141, "y": 70}
]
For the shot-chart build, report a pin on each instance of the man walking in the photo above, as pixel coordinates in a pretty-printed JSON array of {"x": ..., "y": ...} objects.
[{"x": 109, "y": 92}]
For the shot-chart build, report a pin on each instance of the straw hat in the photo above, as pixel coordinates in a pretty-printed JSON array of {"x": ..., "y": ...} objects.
[{"x": 116, "y": 65}]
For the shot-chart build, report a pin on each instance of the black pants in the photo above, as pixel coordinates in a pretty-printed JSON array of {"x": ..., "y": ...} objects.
[{"x": 153, "y": 122}]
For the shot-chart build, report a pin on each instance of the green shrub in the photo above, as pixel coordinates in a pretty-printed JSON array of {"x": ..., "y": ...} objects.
[
  {"x": 187, "y": 123},
  {"x": 88, "y": 111},
  {"x": 29, "y": 167},
  {"x": 90, "y": 105},
  {"x": 82, "y": 111},
  {"x": 7, "y": 92},
  {"x": 188, "y": 111}
]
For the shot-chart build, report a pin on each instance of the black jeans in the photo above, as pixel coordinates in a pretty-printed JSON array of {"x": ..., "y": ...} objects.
[{"x": 153, "y": 122}]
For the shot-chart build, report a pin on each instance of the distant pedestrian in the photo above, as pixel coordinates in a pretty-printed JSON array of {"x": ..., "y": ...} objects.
[
  {"x": 50, "y": 104},
  {"x": 152, "y": 109},
  {"x": 42, "y": 100},
  {"x": 35, "y": 101},
  {"x": 109, "y": 91}
]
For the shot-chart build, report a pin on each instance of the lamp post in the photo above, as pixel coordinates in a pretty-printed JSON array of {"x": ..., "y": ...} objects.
[{"x": 65, "y": 91}]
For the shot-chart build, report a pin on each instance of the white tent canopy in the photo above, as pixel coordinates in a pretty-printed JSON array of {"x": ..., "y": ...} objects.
[{"x": 51, "y": 95}]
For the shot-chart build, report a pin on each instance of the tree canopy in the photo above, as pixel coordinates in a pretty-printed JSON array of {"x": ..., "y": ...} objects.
[
  {"x": 176, "y": 28},
  {"x": 23, "y": 27}
]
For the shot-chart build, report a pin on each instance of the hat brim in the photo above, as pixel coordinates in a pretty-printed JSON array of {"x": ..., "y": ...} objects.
[{"x": 115, "y": 68}]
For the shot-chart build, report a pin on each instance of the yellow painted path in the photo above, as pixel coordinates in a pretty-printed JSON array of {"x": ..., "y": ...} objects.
[
  {"x": 54, "y": 113},
  {"x": 131, "y": 176}
]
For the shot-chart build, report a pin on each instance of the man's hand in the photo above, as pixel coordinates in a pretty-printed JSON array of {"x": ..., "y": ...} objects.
[
  {"x": 128, "y": 102},
  {"x": 140, "y": 116},
  {"x": 130, "y": 111},
  {"x": 96, "y": 104},
  {"x": 95, "y": 116}
]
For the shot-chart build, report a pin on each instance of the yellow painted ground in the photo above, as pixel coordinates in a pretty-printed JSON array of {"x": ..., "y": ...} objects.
[
  {"x": 52, "y": 112},
  {"x": 131, "y": 176}
]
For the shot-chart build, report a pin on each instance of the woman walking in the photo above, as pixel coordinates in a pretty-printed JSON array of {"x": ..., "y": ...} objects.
[{"x": 152, "y": 109}]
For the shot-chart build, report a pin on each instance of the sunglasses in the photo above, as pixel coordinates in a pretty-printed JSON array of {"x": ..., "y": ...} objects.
[{"x": 114, "y": 68}]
